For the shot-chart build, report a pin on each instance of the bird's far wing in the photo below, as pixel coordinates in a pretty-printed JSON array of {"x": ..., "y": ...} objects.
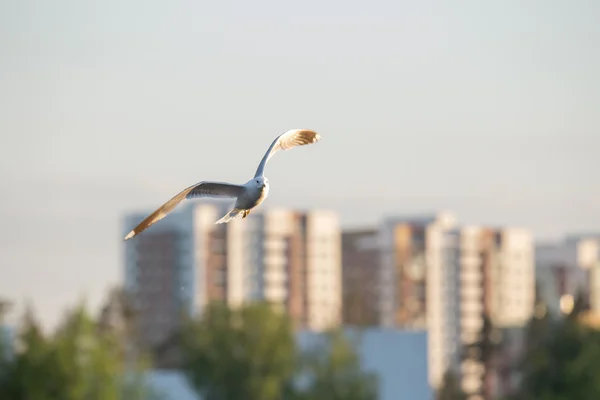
[
  {"x": 215, "y": 189},
  {"x": 286, "y": 141},
  {"x": 202, "y": 189}
]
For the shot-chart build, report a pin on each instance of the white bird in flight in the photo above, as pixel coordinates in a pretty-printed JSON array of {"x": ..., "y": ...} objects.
[{"x": 248, "y": 196}]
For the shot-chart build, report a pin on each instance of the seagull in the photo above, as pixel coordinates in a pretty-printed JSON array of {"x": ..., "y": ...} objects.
[{"x": 248, "y": 196}]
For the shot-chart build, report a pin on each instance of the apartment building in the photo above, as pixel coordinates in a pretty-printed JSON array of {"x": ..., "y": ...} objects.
[
  {"x": 291, "y": 259},
  {"x": 296, "y": 264},
  {"x": 446, "y": 278},
  {"x": 565, "y": 268},
  {"x": 360, "y": 277},
  {"x": 418, "y": 288},
  {"x": 404, "y": 248},
  {"x": 175, "y": 268},
  {"x": 497, "y": 281}
]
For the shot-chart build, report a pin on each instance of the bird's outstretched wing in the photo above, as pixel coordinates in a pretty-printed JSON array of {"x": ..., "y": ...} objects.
[
  {"x": 286, "y": 141},
  {"x": 202, "y": 189}
]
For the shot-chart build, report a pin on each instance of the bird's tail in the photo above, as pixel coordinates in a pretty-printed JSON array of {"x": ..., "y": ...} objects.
[{"x": 232, "y": 214}]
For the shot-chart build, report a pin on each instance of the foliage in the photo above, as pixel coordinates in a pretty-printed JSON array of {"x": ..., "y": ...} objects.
[
  {"x": 5, "y": 347},
  {"x": 451, "y": 388},
  {"x": 332, "y": 370},
  {"x": 243, "y": 353},
  {"x": 79, "y": 361},
  {"x": 563, "y": 363},
  {"x": 249, "y": 353},
  {"x": 229, "y": 354},
  {"x": 484, "y": 350}
]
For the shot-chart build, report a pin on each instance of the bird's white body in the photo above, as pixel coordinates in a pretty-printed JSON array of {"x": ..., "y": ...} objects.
[
  {"x": 248, "y": 196},
  {"x": 255, "y": 192}
]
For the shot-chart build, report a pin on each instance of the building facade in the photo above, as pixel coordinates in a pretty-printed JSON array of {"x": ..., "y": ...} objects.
[
  {"x": 175, "y": 268},
  {"x": 296, "y": 264},
  {"x": 418, "y": 284},
  {"x": 448, "y": 279},
  {"x": 497, "y": 287},
  {"x": 360, "y": 277},
  {"x": 567, "y": 268},
  {"x": 405, "y": 246}
]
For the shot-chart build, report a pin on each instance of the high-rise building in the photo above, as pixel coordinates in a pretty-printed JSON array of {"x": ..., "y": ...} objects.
[
  {"x": 448, "y": 279},
  {"x": 497, "y": 283},
  {"x": 443, "y": 302},
  {"x": 405, "y": 247},
  {"x": 291, "y": 259},
  {"x": 566, "y": 269},
  {"x": 296, "y": 263},
  {"x": 360, "y": 277},
  {"x": 175, "y": 268},
  {"x": 418, "y": 287}
]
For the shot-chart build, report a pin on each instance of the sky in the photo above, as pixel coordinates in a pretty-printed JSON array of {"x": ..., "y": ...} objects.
[{"x": 488, "y": 109}]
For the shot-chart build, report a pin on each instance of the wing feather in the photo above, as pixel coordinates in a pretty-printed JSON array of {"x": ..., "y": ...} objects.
[
  {"x": 286, "y": 141},
  {"x": 202, "y": 189}
]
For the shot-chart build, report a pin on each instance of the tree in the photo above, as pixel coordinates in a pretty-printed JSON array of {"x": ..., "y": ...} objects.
[
  {"x": 242, "y": 353},
  {"x": 580, "y": 304},
  {"x": 118, "y": 315},
  {"x": 249, "y": 353},
  {"x": 451, "y": 388},
  {"x": 32, "y": 373},
  {"x": 539, "y": 325},
  {"x": 79, "y": 361},
  {"x": 331, "y": 370},
  {"x": 565, "y": 363},
  {"x": 5, "y": 306},
  {"x": 484, "y": 350},
  {"x": 5, "y": 347}
]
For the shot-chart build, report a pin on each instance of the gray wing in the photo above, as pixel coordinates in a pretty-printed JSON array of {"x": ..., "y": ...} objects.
[
  {"x": 286, "y": 141},
  {"x": 202, "y": 189}
]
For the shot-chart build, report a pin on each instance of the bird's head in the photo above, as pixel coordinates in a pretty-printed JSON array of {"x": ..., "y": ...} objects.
[{"x": 261, "y": 182}]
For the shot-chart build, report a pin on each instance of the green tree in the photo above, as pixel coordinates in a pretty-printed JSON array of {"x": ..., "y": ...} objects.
[
  {"x": 32, "y": 373},
  {"x": 331, "y": 370},
  {"x": 451, "y": 388},
  {"x": 78, "y": 362},
  {"x": 243, "y": 353},
  {"x": 5, "y": 348},
  {"x": 564, "y": 364},
  {"x": 119, "y": 316},
  {"x": 5, "y": 307},
  {"x": 484, "y": 350},
  {"x": 539, "y": 326},
  {"x": 580, "y": 304}
]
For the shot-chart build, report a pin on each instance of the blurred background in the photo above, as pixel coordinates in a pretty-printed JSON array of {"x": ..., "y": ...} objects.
[{"x": 441, "y": 241}]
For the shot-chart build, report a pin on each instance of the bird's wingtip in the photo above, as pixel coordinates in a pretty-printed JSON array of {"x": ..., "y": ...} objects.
[
  {"x": 129, "y": 235},
  {"x": 316, "y": 136}
]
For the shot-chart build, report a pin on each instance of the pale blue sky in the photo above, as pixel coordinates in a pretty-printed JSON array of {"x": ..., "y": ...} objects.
[{"x": 489, "y": 109}]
